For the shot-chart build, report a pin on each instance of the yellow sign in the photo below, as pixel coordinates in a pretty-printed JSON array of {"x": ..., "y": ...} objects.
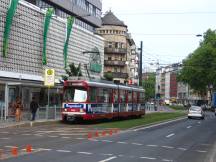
[{"x": 49, "y": 79}]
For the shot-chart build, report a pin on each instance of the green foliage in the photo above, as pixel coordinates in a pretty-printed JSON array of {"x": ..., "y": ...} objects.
[
  {"x": 72, "y": 71},
  {"x": 149, "y": 86},
  {"x": 108, "y": 76},
  {"x": 199, "y": 68}
]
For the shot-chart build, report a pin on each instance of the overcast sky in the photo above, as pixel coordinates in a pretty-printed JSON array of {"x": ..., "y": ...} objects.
[{"x": 167, "y": 28}]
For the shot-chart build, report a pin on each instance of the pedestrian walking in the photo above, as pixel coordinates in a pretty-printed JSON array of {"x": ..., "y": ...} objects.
[
  {"x": 18, "y": 109},
  {"x": 33, "y": 107}
]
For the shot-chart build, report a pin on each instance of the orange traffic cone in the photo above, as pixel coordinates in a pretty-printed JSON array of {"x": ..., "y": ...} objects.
[
  {"x": 28, "y": 148},
  {"x": 89, "y": 135},
  {"x": 14, "y": 151},
  {"x": 110, "y": 132},
  {"x": 96, "y": 134},
  {"x": 104, "y": 133}
]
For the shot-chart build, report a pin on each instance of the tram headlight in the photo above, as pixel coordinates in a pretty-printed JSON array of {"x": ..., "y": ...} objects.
[
  {"x": 65, "y": 109},
  {"x": 81, "y": 110}
]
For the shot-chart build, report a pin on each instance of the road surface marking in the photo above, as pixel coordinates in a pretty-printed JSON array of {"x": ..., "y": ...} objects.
[
  {"x": 44, "y": 149},
  {"x": 53, "y": 136},
  {"x": 169, "y": 147},
  {"x": 108, "y": 159},
  {"x": 189, "y": 127},
  {"x": 166, "y": 160},
  {"x": 80, "y": 138},
  {"x": 201, "y": 151},
  {"x": 73, "y": 134},
  {"x": 65, "y": 137},
  {"x": 40, "y": 135},
  {"x": 149, "y": 158},
  {"x": 106, "y": 154},
  {"x": 10, "y": 146},
  {"x": 138, "y": 144},
  {"x": 152, "y": 145},
  {"x": 4, "y": 138},
  {"x": 120, "y": 155},
  {"x": 170, "y": 135},
  {"x": 183, "y": 149},
  {"x": 122, "y": 142},
  {"x": 106, "y": 141},
  {"x": 26, "y": 134},
  {"x": 63, "y": 150},
  {"x": 93, "y": 140},
  {"x": 4, "y": 132},
  {"x": 199, "y": 122},
  {"x": 86, "y": 153}
]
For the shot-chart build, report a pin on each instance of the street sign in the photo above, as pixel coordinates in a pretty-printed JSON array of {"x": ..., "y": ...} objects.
[{"x": 49, "y": 78}]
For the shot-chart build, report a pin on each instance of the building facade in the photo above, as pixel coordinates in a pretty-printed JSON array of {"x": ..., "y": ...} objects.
[
  {"x": 118, "y": 50},
  {"x": 22, "y": 71}
]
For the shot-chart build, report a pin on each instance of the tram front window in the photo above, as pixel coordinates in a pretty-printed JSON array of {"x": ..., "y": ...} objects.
[{"x": 72, "y": 94}]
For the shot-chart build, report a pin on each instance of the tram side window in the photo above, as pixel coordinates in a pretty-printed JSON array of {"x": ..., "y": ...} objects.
[
  {"x": 93, "y": 94},
  {"x": 122, "y": 96},
  {"x": 115, "y": 95},
  {"x": 103, "y": 95},
  {"x": 135, "y": 97},
  {"x": 142, "y": 98},
  {"x": 130, "y": 96}
]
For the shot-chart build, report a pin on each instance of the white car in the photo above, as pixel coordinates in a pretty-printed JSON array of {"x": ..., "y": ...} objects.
[{"x": 196, "y": 112}]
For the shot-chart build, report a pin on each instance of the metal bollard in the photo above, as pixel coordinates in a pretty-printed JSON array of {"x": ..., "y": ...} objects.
[{"x": 46, "y": 111}]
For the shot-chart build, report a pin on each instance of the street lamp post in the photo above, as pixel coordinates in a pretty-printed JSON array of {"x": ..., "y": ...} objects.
[{"x": 140, "y": 63}]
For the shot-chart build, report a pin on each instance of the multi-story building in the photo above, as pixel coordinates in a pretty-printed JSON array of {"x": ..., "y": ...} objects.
[
  {"x": 22, "y": 70},
  {"x": 118, "y": 49}
]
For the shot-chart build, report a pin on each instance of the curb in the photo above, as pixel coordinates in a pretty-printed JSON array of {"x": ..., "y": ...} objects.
[{"x": 143, "y": 127}]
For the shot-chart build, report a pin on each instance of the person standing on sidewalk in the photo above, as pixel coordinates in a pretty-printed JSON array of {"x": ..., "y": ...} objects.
[
  {"x": 33, "y": 107},
  {"x": 18, "y": 109}
]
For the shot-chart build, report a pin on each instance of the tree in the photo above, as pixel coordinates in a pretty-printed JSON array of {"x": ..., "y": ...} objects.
[
  {"x": 72, "y": 71},
  {"x": 149, "y": 86},
  {"x": 199, "y": 68},
  {"x": 108, "y": 76}
]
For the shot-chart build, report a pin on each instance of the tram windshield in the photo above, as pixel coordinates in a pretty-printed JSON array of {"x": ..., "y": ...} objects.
[{"x": 75, "y": 94}]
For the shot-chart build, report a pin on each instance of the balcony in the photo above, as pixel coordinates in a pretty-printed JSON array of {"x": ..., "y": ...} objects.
[
  {"x": 119, "y": 75},
  {"x": 108, "y": 50},
  {"x": 114, "y": 63}
]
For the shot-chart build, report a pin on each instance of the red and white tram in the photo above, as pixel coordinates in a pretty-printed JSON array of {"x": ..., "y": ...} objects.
[{"x": 90, "y": 100}]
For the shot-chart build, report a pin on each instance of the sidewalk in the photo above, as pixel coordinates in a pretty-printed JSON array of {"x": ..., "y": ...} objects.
[
  {"x": 7, "y": 124},
  {"x": 159, "y": 109}
]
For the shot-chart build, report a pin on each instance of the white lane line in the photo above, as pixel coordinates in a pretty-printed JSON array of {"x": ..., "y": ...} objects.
[
  {"x": 152, "y": 145},
  {"x": 138, "y": 144},
  {"x": 86, "y": 153},
  {"x": 10, "y": 146},
  {"x": 73, "y": 134},
  {"x": 183, "y": 149},
  {"x": 169, "y": 147},
  {"x": 199, "y": 122},
  {"x": 149, "y": 158},
  {"x": 106, "y": 141},
  {"x": 167, "y": 160},
  {"x": 26, "y": 134},
  {"x": 93, "y": 140},
  {"x": 4, "y": 138},
  {"x": 120, "y": 155},
  {"x": 106, "y": 154},
  {"x": 65, "y": 137},
  {"x": 63, "y": 151},
  {"x": 189, "y": 126},
  {"x": 122, "y": 142},
  {"x": 4, "y": 132},
  {"x": 108, "y": 159},
  {"x": 201, "y": 151},
  {"x": 44, "y": 149},
  {"x": 52, "y": 136},
  {"x": 80, "y": 138},
  {"x": 170, "y": 135},
  {"x": 40, "y": 135}
]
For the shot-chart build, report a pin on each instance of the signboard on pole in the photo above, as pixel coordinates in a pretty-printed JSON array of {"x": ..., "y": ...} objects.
[{"x": 49, "y": 78}]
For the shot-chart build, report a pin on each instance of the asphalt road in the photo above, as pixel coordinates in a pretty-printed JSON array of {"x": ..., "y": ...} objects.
[{"x": 181, "y": 141}]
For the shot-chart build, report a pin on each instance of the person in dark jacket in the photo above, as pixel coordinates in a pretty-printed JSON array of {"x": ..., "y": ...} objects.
[{"x": 33, "y": 107}]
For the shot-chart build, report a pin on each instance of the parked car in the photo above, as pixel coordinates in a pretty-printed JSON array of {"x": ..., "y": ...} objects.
[{"x": 196, "y": 112}]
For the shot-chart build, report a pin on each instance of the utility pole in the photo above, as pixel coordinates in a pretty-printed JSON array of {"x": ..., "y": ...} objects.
[{"x": 140, "y": 63}]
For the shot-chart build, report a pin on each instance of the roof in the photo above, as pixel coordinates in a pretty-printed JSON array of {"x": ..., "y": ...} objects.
[{"x": 110, "y": 19}]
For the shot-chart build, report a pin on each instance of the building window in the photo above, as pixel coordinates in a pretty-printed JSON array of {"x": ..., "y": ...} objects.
[
  {"x": 110, "y": 44},
  {"x": 115, "y": 70},
  {"x": 109, "y": 58}
]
